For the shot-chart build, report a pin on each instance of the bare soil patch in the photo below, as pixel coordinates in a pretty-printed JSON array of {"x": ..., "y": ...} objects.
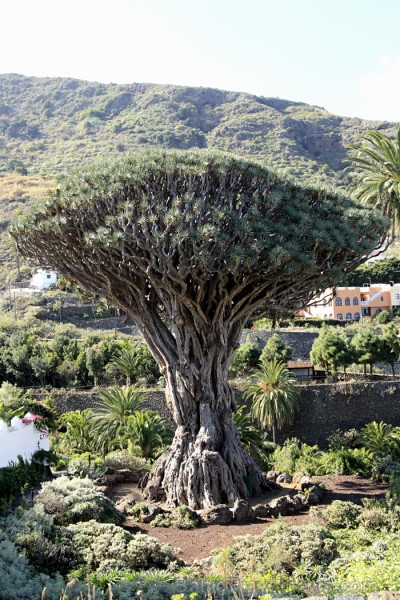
[{"x": 196, "y": 544}]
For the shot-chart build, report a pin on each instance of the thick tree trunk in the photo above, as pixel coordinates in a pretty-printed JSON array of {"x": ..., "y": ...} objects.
[{"x": 206, "y": 463}]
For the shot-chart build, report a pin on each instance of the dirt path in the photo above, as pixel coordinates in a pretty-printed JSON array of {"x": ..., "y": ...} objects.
[{"x": 197, "y": 544}]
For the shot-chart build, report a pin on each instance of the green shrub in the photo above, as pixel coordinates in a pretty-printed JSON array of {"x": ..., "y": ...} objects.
[
  {"x": 49, "y": 553},
  {"x": 122, "y": 459},
  {"x": 76, "y": 500},
  {"x": 18, "y": 581},
  {"x": 19, "y": 476},
  {"x": 346, "y": 462},
  {"x": 284, "y": 457},
  {"x": 342, "y": 514},
  {"x": 365, "y": 572},
  {"x": 342, "y": 439},
  {"x": 376, "y": 514},
  {"x": 181, "y": 517},
  {"x": 106, "y": 547},
  {"x": 280, "y": 548},
  {"x": 388, "y": 471},
  {"x": 82, "y": 467},
  {"x": 140, "y": 510}
]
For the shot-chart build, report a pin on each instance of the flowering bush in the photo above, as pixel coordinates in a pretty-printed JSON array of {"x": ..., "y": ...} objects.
[{"x": 39, "y": 424}]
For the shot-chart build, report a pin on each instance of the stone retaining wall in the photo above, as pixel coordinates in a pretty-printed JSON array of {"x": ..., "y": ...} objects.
[{"x": 324, "y": 407}]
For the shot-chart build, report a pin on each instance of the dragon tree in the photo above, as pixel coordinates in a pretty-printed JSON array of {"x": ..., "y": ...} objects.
[{"x": 192, "y": 245}]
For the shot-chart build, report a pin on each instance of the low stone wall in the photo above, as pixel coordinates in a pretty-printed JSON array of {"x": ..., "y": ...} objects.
[
  {"x": 327, "y": 407},
  {"x": 324, "y": 407}
]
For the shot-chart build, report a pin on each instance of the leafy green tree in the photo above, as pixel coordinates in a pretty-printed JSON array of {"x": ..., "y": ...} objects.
[
  {"x": 148, "y": 433},
  {"x": 390, "y": 345},
  {"x": 367, "y": 347},
  {"x": 382, "y": 271},
  {"x": 275, "y": 396},
  {"x": 42, "y": 365},
  {"x": 192, "y": 246},
  {"x": 383, "y": 317},
  {"x": 67, "y": 372},
  {"x": 276, "y": 349},
  {"x": 81, "y": 368},
  {"x": 64, "y": 347},
  {"x": 377, "y": 164},
  {"x": 331, "y": 350},
  {"x": 95, "y": 362},
  {"x": 245, "y": 359}
]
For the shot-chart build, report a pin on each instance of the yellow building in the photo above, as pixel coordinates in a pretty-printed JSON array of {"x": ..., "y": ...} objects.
[{"x": 354, "y": 303}]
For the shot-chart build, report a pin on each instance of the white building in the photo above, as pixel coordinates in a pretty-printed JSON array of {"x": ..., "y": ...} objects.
[
  {"x": 21, "y": 439},
  {"x": 43, "y": 279}
]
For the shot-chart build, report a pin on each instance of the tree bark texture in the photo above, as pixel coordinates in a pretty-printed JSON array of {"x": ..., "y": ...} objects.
[{"x": 206, "y": 463}]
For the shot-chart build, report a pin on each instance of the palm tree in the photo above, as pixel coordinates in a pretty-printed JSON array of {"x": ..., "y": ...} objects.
[
  {"x": 112, "y": 413},
  {"x": 126, "y": 363},
  {"x": 252, "y": 437},
  {"x": 79, "y": 436},
  {"x": 148, "y": 432},
  {"x": 378, "y": 438},
  {"x": 275, "y": 395},
  {"x": 136, "y": 361},
  {"x": 378, "y": 165}
]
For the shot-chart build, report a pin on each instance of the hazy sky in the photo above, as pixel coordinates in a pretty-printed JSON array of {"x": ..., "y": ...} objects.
[{"x": 343, "y": 55}]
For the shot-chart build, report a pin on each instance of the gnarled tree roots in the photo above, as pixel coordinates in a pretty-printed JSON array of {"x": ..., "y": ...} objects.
[{"x": 191, "y": 472}]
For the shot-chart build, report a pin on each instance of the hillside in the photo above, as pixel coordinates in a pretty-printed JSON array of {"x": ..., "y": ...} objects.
[{"x": 50, "y": 125}]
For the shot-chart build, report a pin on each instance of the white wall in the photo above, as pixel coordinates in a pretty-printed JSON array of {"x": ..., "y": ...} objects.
[
  {"x": 21, "y": 440},
  {"x": 43, "y": 279}
]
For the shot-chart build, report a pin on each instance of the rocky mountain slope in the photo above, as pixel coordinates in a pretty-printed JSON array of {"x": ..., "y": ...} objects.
[{"x": 50, "y": 125}]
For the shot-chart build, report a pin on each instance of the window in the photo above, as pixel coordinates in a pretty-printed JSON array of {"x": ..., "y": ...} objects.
[
  {"x": 378, "y": 310},
  {"x": 381, "y": 298},
  {"x": 338, "y": 302},
  {"x": 339, "y": 317},
  {"x": 355, "y": 300},
  {"x": 348, "y": 317},
  {"x": 48, "y": 276},
  {"x": 397, "y": 296},
  {"x": 347, "y": 301},
  {"x": 357, "y": 316}
]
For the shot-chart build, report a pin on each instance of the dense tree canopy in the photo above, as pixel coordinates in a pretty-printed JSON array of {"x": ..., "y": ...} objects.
[{"x": 192, "y": 245}]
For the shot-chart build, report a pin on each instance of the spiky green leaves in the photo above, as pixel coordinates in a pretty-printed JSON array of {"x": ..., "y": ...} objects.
[
  {"x": 377, "y": 164},
  {"x": 170, "y": 220}
]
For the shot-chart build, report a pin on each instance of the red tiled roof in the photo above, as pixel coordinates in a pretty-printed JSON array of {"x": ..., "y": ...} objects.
[{"x": 299, "y": 364}]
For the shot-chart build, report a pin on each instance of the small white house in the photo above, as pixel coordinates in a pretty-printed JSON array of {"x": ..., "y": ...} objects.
[
  {"x": 22, "y": 438},
  {"x": 43, "y": 279}
]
